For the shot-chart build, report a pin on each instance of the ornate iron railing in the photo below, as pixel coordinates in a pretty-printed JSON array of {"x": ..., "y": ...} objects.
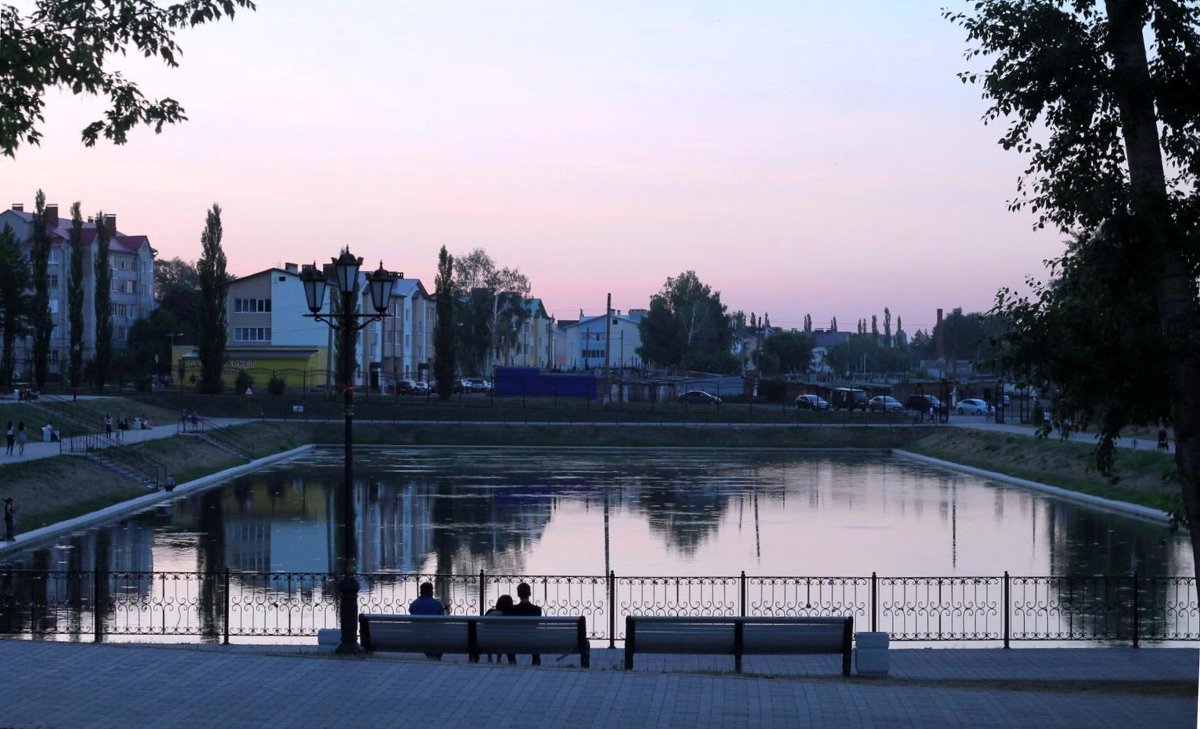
[{"x": 271, "y": 606}]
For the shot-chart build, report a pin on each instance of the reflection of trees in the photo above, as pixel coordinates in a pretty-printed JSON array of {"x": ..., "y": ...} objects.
[
  {"x": 684, "y": 515},
  {"x": 210, "y": 560}
]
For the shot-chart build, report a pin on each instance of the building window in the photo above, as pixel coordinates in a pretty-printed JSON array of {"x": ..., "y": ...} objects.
[
  {"x": 252, "y": 334},
  {"x": 54, "y": 356},
  {"x": 54, "y": 280},
  {"x": 251, "y": 306},
  {"x": 53, "y": 306}
]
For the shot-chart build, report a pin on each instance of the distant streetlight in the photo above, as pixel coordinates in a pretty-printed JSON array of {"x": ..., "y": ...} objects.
[{"x": 343, "y": 274}]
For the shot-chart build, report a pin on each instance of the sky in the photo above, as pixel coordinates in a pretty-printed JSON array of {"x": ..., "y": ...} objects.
[{"x": 802, "y": 157}]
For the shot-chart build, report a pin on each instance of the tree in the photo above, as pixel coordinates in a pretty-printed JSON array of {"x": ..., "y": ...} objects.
[
  {"x": 73, "y": 45},
  {"x": 14, "y": 301},
  {"x": 214, "y": 283},
  {"x": 1096, "y": 116},
  {"x": 443, "y": 331},
  {"x": 808, "y": 323},
  {"x": 833, "y": 324},
  {"x": 102, "y": 303},
  {"x": 887, "y": 326},
  {"x": 493, "y": 308},
  {"x": 787, "y": 353},
  {"x": 75, "y": 295},
  {"x": 177, "y": 288},
  {"x": 687, "y": 326},
  {"x": 39, "y": 315}
]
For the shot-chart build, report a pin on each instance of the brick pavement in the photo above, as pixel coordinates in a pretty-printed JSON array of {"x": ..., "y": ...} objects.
[{"x": 65, "y": 685}]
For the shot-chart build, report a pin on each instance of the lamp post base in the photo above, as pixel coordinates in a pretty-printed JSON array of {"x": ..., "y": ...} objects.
[{"x": 348, "y": 612}]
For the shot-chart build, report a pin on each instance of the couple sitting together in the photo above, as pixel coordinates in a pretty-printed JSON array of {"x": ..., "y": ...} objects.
[{"x": 427, "y": 604}]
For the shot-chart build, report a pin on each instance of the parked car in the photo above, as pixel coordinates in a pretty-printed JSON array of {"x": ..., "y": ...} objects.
[
  {"x": 420, "y": 388},
  {"x": 812, "y": 402},
  {"x": 973, "y": 406},
  {"x": 884, "y": 404},
  {"x": 406, "y": 387},
  {"x": 699, "y": 397},
  {"x": 476, "y": 384},
  {"x": 848, "y": 398}
]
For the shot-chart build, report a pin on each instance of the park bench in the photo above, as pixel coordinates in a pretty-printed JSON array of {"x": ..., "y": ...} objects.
[
  {"x": 739, "y": 636},
  {"x": 475, "y": 635}
]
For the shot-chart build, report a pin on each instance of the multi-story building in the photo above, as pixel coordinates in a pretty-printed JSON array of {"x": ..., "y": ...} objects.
[
  {"x": 402, "y": 344},
  {"x": 589, "y": 340},
  {"x": 131, "y": 259}
]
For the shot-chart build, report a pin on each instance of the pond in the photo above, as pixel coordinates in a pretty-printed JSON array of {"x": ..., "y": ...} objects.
[{"x": 646, "y": 514}]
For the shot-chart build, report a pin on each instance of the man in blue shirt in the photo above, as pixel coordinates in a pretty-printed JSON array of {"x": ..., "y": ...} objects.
[{"x": 427, "y": 604}]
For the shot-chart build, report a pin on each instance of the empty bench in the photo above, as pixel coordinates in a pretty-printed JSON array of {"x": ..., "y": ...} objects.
[
  {"x": 739, "y": 636},
  {"x": 475, "y": 635}
]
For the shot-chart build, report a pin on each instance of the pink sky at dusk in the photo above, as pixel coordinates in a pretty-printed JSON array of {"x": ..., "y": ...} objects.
[{"x": 817, "y": 158}]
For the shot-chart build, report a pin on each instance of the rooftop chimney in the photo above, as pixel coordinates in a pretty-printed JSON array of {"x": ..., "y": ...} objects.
[
  {"x": 291, "y": 268},
  {"x": 52, "y": 215},
  {"x": 19, "y": 207},
  {"x": 110, "y": 224}
]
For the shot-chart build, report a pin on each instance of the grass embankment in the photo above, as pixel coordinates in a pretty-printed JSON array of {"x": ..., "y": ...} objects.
[{"x": 1139, "y": 477}]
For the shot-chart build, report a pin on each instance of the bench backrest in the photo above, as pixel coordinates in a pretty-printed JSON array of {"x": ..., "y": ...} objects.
[{"x": 474, "y": 634}]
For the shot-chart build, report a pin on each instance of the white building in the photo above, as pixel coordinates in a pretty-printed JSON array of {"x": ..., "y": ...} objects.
[{"x": 589, "y": 341}]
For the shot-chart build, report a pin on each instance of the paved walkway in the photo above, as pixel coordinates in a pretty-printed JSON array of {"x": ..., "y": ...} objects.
[{"x": 66, "y": 685}]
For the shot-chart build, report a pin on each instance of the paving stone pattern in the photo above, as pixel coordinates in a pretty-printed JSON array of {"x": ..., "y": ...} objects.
[{"x": 64, "y": 685}]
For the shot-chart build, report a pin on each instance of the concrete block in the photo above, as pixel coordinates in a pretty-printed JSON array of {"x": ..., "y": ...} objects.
[
  {"x": 871, "y": 654},
  {"x": 328, "y": 639}
]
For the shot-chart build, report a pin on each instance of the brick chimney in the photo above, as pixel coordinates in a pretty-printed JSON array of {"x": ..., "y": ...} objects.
[
  {"x": 19, "y": 207},
  {"x": 110, "y": 224},
  {"x": 52, "y": 215}
]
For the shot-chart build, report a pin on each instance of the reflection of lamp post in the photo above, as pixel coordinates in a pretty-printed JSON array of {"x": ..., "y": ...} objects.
[{"x": 347, "y": 321}]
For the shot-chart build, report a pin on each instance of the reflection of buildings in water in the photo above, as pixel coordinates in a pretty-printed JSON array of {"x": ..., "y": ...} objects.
[{"x": 396, "y": 530}]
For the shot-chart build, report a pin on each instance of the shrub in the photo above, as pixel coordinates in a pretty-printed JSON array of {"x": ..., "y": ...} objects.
[
  {"x": 243, "y": 382},
  {"x": 277, "y": 385}
]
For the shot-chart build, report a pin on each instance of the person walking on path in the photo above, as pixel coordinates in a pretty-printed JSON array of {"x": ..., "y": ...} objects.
[
  {"x": 427, "y": 604},
  {"x": 108, "y": 425},
  {"x": 10, "y": 520},
  {"x": 10, "y": 436},
  {"x": 525, "y": 607},
  {"x": 22, "y": 438}
]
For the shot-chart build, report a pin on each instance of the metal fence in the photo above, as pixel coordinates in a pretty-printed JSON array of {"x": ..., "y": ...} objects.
[{"x": 281, "y": 606}]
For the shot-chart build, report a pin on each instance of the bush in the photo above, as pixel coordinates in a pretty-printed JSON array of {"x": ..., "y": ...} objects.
[
  {"x": 277, "y": 386},
  {"x": 243, "y": 382}
]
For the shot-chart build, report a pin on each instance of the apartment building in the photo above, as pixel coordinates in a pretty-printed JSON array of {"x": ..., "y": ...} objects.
[{"x": 131, "y": 258}]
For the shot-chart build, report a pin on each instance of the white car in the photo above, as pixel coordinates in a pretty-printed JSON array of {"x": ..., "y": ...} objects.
[{"x": 973, "y": 406}]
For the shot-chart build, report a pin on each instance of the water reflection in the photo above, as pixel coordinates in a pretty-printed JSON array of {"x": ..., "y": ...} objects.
[{"x": 454, "y": 511}]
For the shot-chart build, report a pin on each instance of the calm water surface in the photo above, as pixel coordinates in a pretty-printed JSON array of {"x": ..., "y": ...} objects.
[{"x": 663, "y": 512}]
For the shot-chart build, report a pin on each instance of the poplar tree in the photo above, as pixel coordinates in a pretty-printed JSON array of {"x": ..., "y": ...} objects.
[
  {"x": 103, "y": 304},
  {"x": 75, "y": 294},
  {"x": 39, "y": 315},
  {"x": 214, "y": 283},
  {"x": 443, "y": 331},
  {"x": 14, "y": 301}
]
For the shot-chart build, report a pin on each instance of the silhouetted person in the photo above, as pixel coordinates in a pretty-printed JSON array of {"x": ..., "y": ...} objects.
[
  {"x": 525, "y": 607},
  {"x": 427, "y": 604},
  {"x": 503, "y": 606},
  {"x": 10, "y": 520}
]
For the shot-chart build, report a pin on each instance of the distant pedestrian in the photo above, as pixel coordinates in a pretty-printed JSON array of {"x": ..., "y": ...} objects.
[
  {"x": 10, "y": 520},
  {"x": 169, "y": 482},
  {"x": 108, "y": 425},
  {"x": 10, "y": 436},
  {"x": 1163, "y": 443},
  {"x": 22, "y": 438}
]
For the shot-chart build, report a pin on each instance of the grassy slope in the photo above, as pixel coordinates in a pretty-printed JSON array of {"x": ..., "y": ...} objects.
[{"x": 1139, "y": 474}]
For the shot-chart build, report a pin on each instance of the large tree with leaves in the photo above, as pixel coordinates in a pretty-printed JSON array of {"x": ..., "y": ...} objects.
[
  {"x": 1112, "y": 133},
  {"x": 214, "y": 283},
  {"x": 73, "y": 46},
  {"x": 39, "y": 316},
  {"x": 786, "y": 353},
  {"x": 102, "y": 304},
  {"x": 443, "y": 329},
  {"x": 491, "y": 311},
  {"x": 75, "y": 295},
  {"x": 14, "y": 301},
  {"x": 687, "y": 326}
]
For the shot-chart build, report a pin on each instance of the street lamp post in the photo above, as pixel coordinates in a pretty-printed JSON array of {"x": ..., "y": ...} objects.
[{"x": 343, "y": 274}]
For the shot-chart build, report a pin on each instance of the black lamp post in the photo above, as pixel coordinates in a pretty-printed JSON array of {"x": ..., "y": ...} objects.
[{"x": 343, "y": 274}]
